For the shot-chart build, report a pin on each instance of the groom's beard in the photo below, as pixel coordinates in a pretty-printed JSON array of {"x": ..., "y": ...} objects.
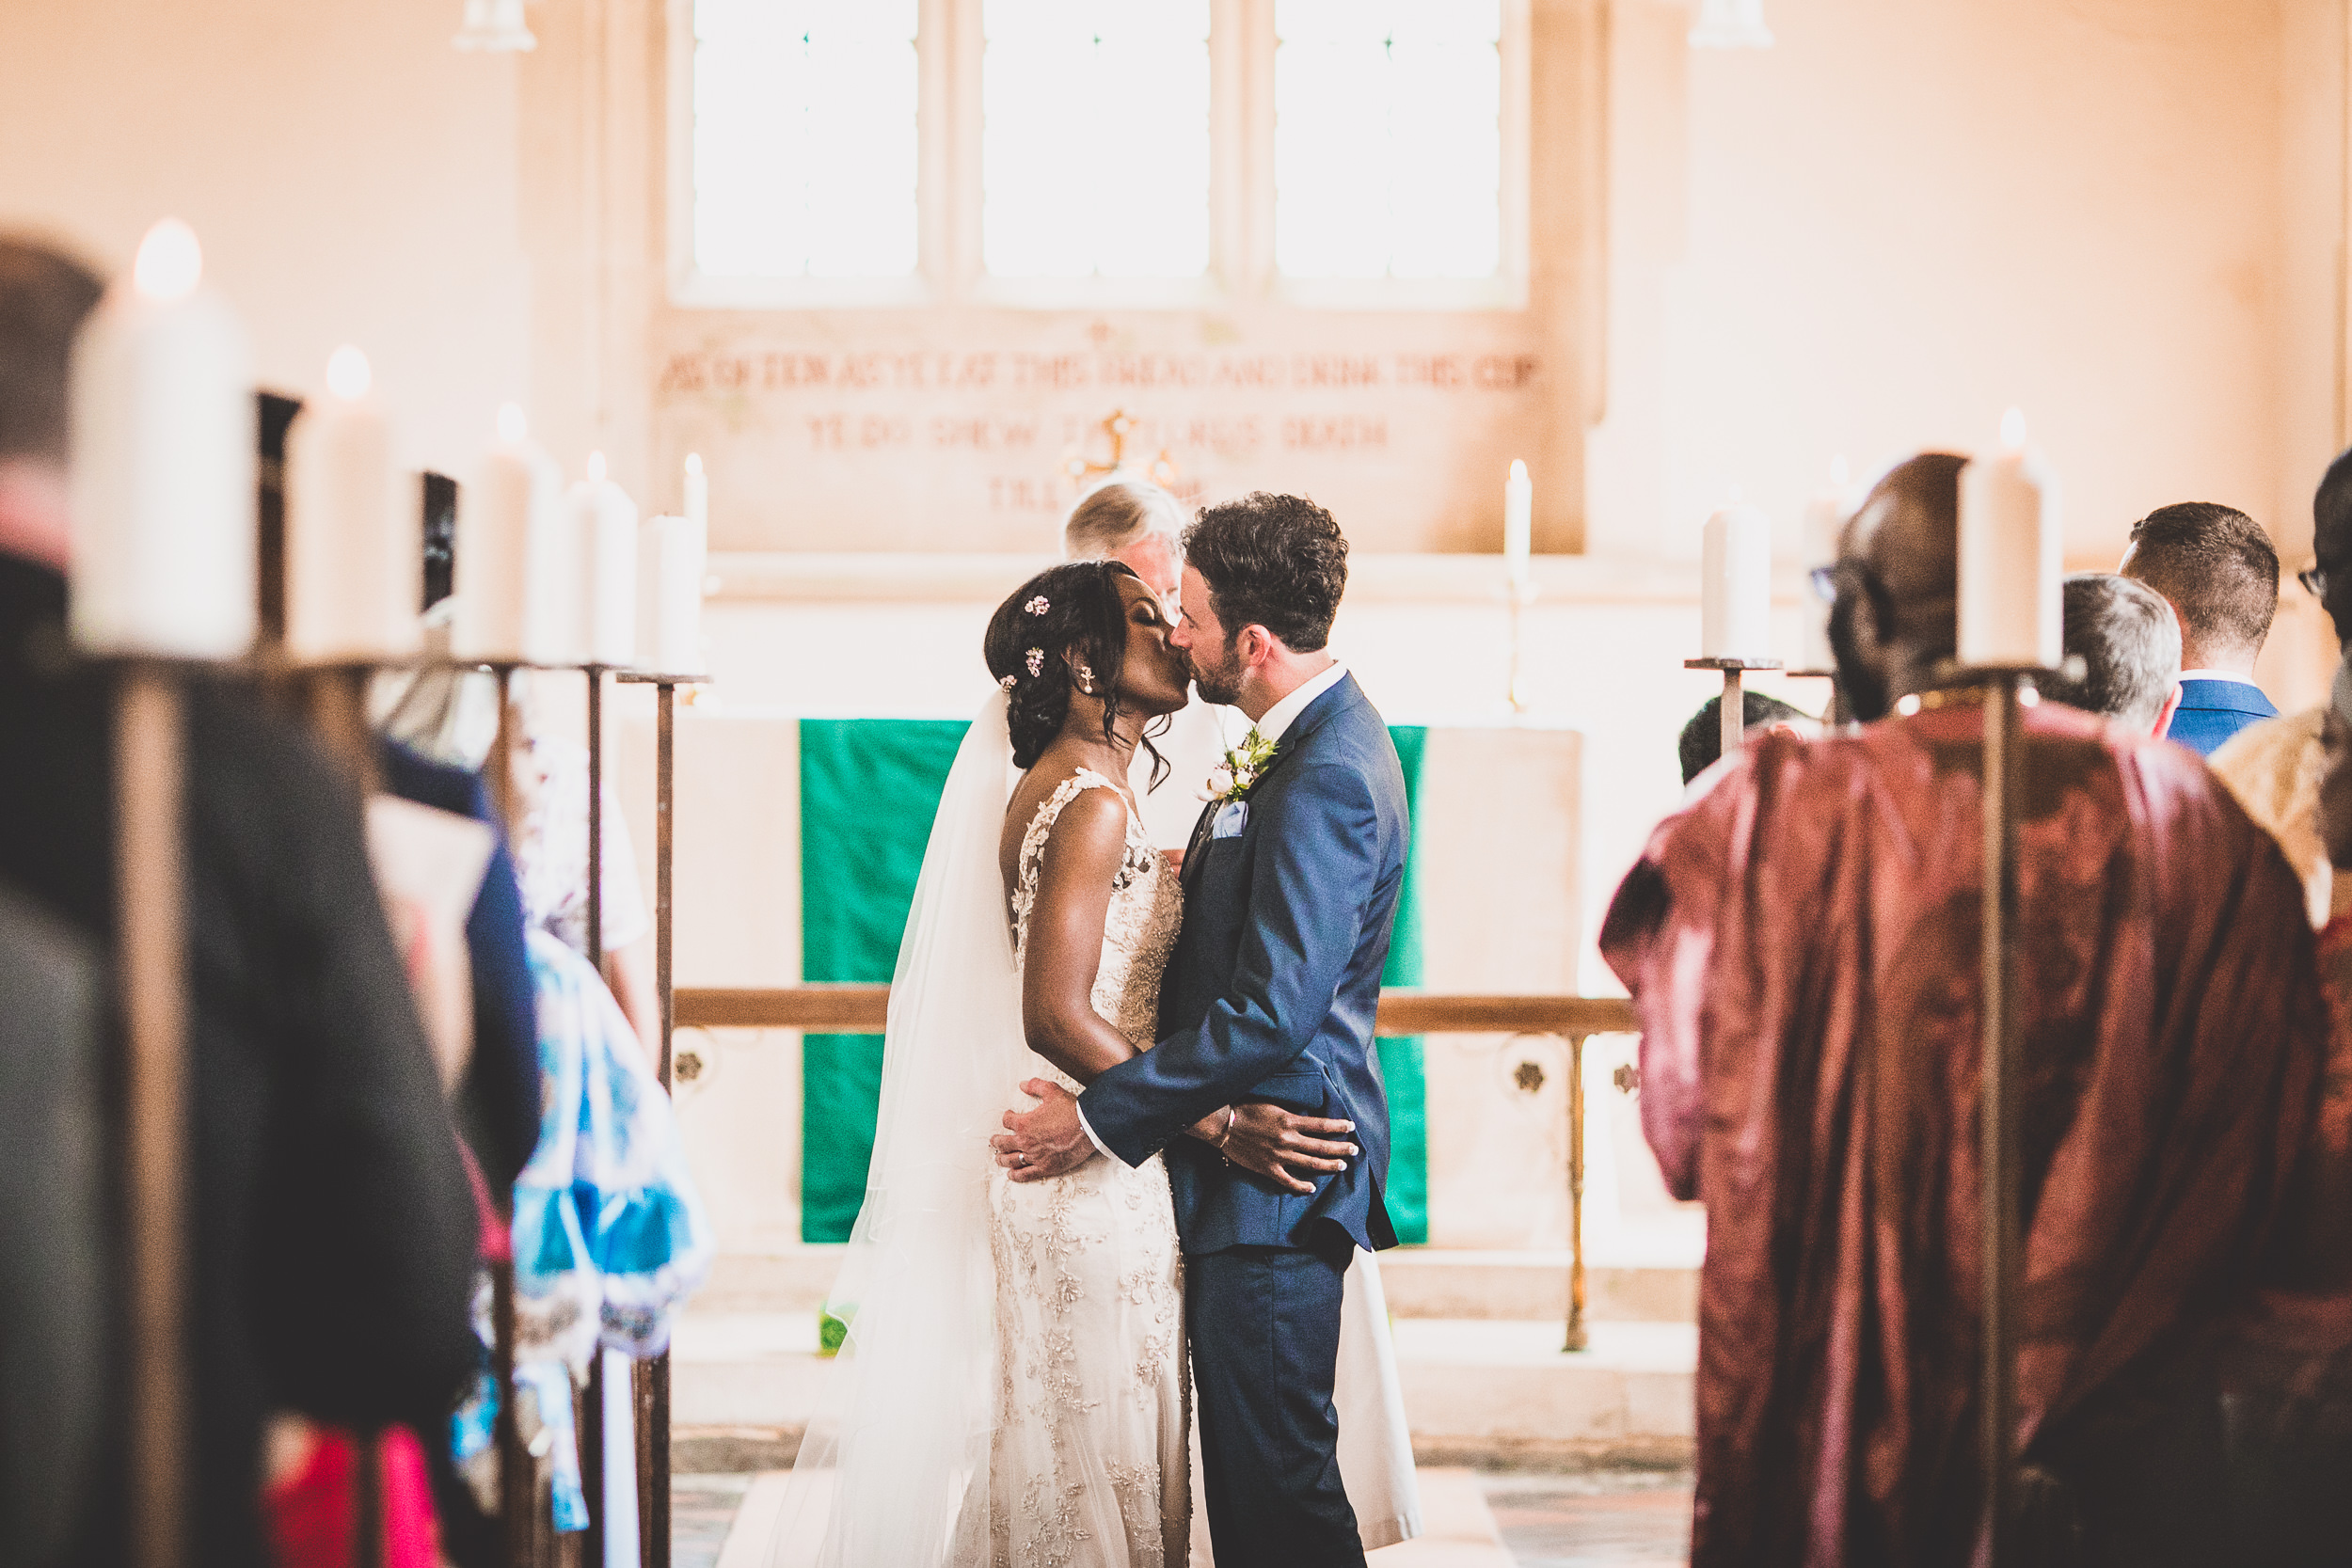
[{"x": 1219, "y": 682}]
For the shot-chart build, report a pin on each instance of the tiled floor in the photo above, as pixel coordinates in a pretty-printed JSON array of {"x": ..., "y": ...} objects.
[
  {"x": 1620, "y": 1518},
  {"x": 1602, "y": 1519}
]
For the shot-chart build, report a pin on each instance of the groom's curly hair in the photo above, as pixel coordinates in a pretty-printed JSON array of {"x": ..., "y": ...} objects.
[
  {"x": 1276, "y": 562},
  {"x": 1066, "y": 614}
]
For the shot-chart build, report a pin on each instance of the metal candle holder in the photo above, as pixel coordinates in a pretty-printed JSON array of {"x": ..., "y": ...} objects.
[
  {"x": 651, "y": 1384},
  {"x": 1734, "y": 726},
  {"x": 1998, "y": 1157}
]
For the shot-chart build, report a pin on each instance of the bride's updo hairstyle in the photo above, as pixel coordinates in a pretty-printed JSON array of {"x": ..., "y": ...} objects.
[{"x": 1065, "y": 616}]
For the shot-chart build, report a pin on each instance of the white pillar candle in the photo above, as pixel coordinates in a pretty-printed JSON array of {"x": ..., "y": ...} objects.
[
  {"x": 671, "y": 553},
  {"x": 162, "y": 489},
  {"x": 355, "y": 550},
  {"x": 697, "y": 508},
  {"x": 516, "y": 573},
  {"x": 606, "y": 521},
  {"x": 2012, "y": 556},
  {"x": 1736, "y": 585},
  {"x": 1518, "y": 506},
  {"x": 1826, "y": 517}
]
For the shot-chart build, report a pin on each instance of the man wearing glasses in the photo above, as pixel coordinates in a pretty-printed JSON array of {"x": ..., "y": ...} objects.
[{"x": 2272, "y": 766}]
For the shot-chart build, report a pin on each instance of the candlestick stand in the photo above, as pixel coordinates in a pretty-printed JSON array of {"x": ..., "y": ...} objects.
[
  {"x": 652, "y": 1381},
  {"x": 1733, "y": 712},
  {"x": 151, "y": 892},
  {"x": 591, "y": 1479},
  {"x": 2007, "y": 688}
]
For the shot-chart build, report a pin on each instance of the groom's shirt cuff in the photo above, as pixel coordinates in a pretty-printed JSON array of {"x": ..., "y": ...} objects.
[{"x": 1105, "y": 1149}]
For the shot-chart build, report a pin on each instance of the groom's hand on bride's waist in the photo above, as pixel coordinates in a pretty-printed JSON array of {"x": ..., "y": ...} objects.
[{"x": 1048, "y": 1141}]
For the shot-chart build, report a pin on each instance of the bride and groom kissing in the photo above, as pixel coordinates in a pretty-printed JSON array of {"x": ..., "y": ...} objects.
[{"x": 1192, "y": 1202}]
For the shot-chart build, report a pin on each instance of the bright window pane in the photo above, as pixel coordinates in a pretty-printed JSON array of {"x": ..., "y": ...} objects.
[
  {"x": 1095, "y": 149},
  {"x": 1388, "y": 142},
  {"x": 804, "y": 138}
]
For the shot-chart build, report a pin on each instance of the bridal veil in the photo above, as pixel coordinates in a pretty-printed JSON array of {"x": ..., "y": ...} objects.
[{"x": 902, "y": 1440}]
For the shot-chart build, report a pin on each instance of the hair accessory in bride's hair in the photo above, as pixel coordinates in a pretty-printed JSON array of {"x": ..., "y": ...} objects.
[
  {"x": 1037, "y": 661},
  {"x": 1038, "y": 605},
  {"x": 1006, "y": 683}
]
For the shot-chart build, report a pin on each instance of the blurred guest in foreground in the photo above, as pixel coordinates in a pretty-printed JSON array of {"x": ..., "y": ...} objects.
[
  {"x": 331, "y": 1224},
  {"x": 2213, "y": 564},
  {"x": 2130, "y": 646},
  {"x": 1701, "y": 742},
  {"x": 2272, "y": 766},
  {"x": 1803, "y": 947}
]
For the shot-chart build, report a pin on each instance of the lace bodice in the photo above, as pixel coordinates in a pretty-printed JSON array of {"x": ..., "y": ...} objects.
[{"x": 1138, "y": 931}]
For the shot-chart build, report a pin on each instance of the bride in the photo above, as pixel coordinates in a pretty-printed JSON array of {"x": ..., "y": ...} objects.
[{"x": 1013, "y": 1389}]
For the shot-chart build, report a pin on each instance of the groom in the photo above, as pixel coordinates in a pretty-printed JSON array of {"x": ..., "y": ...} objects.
[{"x": 1290, "y": 889}]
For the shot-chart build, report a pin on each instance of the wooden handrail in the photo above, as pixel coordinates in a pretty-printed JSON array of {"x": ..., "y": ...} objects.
[{"x": 860, "y": 1009}]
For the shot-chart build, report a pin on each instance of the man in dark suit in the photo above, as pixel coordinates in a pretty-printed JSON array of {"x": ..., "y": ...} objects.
[
  {"x": 2216, "y": 567},
  {"x": 54, "y": 1379},
  {"x": 1290, "y": 890},
  {"x": 330, "y": 1224}
]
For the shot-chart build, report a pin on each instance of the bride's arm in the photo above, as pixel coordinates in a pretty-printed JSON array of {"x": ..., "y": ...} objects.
[
  {"x": 1076, "y": 869},
  {"x": 1081, "y": 857}
]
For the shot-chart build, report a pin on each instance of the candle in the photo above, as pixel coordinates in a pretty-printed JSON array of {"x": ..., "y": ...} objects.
[
  {"x": 1736, "y": 585},
  {"x": 161, "y": 490},
  {"x": 605, "y": 520},
  {"x": 1518, "y": 502},
  {"x": 2011, "y": 556},
  {"x": 1826, "y": 517},
  {"x": 670, "y": 564},
  {"x": 516, "y": 573},
  {"x": 697, "y": 494},
  {"x": 354, "y": 557}
]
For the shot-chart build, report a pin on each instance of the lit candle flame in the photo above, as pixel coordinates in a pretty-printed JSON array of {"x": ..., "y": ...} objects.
[
  {"x": 595, "y": 467},
  {"x": 694, "y": 463},
  {"x": 512, "y": 425},
  {"x": 348, "y": 373},
  {"x": 2013, "y": 430},
  {"x": 170, "y": 263},
  {"x": 1518, "y": 470}
]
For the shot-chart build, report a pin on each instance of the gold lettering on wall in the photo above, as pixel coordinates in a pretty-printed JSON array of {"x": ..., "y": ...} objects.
[{"x": 826, "y": 447}]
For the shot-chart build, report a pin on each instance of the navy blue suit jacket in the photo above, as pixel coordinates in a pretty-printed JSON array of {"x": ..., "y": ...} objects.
[
  {"x": 2211, "y": 711},
  {"x": 1272, "y": 989}
]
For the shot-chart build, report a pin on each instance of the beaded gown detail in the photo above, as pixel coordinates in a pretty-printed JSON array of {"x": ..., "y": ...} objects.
[{"x": 1089, "y": 1463}]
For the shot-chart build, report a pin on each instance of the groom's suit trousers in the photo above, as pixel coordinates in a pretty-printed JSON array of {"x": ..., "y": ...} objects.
[{"x": 1265, "y": 1324}]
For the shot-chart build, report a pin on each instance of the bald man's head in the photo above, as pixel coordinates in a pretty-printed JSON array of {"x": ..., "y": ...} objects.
[{"x": 1897, "y": 609}]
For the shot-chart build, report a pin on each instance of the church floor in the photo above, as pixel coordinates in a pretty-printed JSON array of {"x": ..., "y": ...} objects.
[{"x": 1515, "y": 1519}]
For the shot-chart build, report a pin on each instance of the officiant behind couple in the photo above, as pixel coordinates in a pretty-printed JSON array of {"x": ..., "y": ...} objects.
[{"x": 1193, "y": 1200}]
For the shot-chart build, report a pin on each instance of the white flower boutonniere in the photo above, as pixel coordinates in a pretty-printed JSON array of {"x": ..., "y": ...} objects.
[{"x": 1244, "y": 764}]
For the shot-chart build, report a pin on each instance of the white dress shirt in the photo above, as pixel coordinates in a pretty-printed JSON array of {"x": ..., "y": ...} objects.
[{"x": 1277, "y": 722}]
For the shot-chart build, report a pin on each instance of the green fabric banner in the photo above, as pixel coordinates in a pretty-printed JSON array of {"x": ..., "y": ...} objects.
[
  {"x": 868, "y": 790},
  {"x": 1401, "y": 1060}
]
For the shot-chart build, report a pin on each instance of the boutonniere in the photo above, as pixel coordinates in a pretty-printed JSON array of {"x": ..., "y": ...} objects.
[{"x": 1244, "y": 765}]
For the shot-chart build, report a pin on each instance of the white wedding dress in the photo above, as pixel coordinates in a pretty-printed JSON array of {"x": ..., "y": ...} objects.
[
  {"x": 1014, "y": 1390},
  {"x": 1089, "y": 1464}
]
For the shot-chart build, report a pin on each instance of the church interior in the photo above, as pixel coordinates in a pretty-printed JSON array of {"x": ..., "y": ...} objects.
[{"x": 1540, "y": 298}]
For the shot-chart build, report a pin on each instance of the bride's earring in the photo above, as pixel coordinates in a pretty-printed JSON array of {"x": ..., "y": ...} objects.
[{"x": 1086, "y": 679}]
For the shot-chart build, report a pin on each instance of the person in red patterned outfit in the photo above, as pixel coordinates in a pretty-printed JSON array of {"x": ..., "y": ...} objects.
[{"x": 1803, "y": 947}]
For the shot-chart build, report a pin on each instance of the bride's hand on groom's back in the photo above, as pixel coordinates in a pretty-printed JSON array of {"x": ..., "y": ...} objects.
[{"x": 1287, "y": 1150}]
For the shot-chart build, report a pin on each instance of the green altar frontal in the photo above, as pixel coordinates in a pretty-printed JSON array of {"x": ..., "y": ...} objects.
[{"x": 868, "y": 790}]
